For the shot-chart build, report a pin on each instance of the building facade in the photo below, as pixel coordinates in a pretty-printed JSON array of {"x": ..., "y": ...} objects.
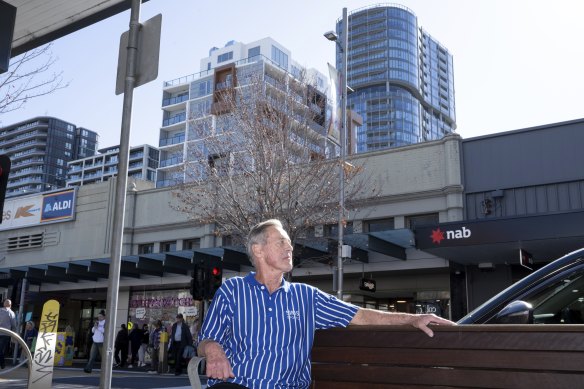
[
  {"x": 193, "y": 105},
  {"x": 142, "y": 165},
  {"x": 402, "y": 79},
  {"x": 40, "y": 149},
  {"x": 68, "y": 259}
]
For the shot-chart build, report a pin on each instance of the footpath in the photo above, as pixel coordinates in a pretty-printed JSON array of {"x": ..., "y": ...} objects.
[{"x": 75, "y": 378}]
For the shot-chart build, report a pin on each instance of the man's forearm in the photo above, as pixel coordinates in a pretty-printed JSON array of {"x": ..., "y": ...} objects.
[{"x": 366, "y": 316}]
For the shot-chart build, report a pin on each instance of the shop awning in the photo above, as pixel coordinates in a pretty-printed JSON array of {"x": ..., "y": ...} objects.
[{"x": 544, "y": 237}]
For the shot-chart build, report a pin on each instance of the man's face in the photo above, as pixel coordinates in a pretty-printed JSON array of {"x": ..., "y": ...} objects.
[
  {"x": 276, "y": 253},
  {"x": 100, "y": 317},
  {"x": 7, "y": 303}
]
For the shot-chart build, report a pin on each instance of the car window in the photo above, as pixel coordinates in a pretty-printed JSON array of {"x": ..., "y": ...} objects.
[{"x": 561, "y": 302}]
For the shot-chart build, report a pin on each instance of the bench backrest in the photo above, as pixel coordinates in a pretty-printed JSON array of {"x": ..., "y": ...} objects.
[{"x": 471, "y": 356}]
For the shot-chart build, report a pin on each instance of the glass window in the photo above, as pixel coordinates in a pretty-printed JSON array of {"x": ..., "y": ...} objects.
[
  {"x": 192, "y": 244},
  {"x": 380, "y": 225},
  {"x": 253, "y": 52},
  {"x": 168, "y": 246},
  {"x": 280, "y": 57},
  {"x": 146, "y": 248},
  {"x": 417, "y": 220},
  {"x": 225, "y": 57}
]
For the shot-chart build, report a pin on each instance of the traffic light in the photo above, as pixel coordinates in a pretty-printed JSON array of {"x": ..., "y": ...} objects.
[
  {"x": 215, "y": 279},
  {"x": 198, "y": 283},
  {"x": 207, "y": 278},
  {"x": 4, "y": 170}
]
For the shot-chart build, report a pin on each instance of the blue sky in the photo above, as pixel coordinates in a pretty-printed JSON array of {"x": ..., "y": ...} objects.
[{"x": 517, "y": 63}]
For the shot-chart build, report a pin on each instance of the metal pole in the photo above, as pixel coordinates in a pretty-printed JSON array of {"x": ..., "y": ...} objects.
[
  {"x": 344, "y": 48},
  {"x": 20, "y": 316},
  {"x": 120, "y": 200}
]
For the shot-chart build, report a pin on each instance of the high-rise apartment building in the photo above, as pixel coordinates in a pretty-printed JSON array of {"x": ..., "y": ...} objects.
[
  {"x": 39, "y": 149},
  {"x": 402, "y": 78},
  {"x": 187, "y": 100},
  {"x": 142, "y": 165}
]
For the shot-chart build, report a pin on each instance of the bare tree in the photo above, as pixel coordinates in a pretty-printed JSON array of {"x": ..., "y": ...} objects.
[
  {"x": 28, "y": 77},
  {"x": 263, "y": 154}
]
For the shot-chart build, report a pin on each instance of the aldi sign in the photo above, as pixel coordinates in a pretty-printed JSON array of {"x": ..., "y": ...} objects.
[{"x": 57, "y": 206}]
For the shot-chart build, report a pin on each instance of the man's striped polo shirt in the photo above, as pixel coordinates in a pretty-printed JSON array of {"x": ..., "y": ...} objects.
[{"x": 268, "y": 338}]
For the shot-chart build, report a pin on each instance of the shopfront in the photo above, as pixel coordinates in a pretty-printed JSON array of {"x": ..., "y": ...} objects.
[{"x": 148, "y": 306}]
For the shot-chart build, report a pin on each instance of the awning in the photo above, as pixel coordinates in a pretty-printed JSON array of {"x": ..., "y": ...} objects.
[{"x": 545, "y": 237}]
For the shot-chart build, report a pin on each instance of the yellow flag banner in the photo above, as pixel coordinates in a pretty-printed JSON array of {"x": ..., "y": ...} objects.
[{"x": 44, "y": 354}]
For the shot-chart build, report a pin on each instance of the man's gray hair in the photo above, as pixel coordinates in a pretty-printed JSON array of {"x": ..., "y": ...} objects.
[{"x": 257, "y": 235}]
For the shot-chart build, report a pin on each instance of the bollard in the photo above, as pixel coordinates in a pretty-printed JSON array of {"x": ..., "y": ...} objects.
[{"x": 163, "y": 353}]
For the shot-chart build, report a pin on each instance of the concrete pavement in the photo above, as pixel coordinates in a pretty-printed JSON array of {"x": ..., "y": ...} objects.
[{"x": 76, "y": 378}]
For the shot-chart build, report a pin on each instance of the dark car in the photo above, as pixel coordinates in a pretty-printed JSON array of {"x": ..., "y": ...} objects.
[{"x": 553, "y": 294}]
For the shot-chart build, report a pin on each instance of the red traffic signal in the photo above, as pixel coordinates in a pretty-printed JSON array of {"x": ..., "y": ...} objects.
[{"x": 216, "y": 271}]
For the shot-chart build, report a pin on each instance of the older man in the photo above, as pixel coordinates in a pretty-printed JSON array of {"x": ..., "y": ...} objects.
[
  {"x": 260, "y": 328},
  {"x": 8, "y": 321}
]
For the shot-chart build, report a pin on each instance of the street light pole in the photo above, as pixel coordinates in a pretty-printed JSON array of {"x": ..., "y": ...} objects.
[
  {"x": 343, "y": 47},
  {"x": 343, "y": 136}
]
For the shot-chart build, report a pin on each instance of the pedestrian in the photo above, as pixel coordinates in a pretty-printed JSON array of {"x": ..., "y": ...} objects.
[
  {"x": 260, "y": 328},
  {"x": 98, "y": 331},
  {"x": 135, "y": 342},
  {"x": 7, "y": 321},
  {"x": 30, "y": 335},
  {"x": 180, "y": 337},
  {"x": 154, "y": 345},
  {"x": 143, "y": 346},
  {"x": 121, "y": 346}
]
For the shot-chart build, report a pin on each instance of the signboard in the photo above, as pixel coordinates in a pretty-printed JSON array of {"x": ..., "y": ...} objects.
[
  {"x": 367, "y": 284},
  {"x": 44, "y": 354},
  {"x": 39, "y": 209},
  {"x": 140, "y": 313}
]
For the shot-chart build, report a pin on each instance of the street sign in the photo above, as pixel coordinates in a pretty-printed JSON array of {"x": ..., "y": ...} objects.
[
  {"x": 148, "y": 54},
  {"x": 367, "y": 284}
]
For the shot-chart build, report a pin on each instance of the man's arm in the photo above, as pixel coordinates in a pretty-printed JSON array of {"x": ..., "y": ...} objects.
[
  {"x": 218, "y": 365},
  {"x": 366, "y": 316}
]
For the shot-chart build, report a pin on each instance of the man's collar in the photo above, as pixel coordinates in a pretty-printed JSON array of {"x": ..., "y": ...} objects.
[{"x": 250, "y": 279}]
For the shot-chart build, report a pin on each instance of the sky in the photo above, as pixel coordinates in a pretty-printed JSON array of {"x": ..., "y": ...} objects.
[{"x": 517, "y": 63}]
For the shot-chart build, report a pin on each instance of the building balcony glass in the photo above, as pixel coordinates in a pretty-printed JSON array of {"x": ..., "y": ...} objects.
[
  {"x": 181, "y": 117},
  {"x": 173, "y": 140}
]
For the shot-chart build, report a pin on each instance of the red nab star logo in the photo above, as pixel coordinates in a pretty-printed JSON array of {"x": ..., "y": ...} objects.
[{"x": 437, "y": 236}]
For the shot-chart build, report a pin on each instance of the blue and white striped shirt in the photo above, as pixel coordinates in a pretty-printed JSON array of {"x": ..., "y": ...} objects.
[{"x": 268, "y": 338}]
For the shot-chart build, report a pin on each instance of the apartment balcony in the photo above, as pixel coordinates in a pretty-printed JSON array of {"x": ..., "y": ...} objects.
[
  {"x": 174, "y": 119},
  {"x": 173, "y": 140},
  {"x": 171, "y": 162},
  {"x": 175, "y": 100}
]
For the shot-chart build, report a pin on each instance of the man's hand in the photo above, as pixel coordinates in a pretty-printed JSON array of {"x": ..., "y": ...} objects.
[
  {"x": 422, "y": 322},
  {"x": 218, "y": 365}
]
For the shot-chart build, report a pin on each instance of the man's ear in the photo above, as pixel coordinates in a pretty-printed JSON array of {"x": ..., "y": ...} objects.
[{"x": 256, "y": 249}]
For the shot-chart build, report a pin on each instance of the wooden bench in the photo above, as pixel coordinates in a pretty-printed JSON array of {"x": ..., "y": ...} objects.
[{"x": 471, "y": 356}]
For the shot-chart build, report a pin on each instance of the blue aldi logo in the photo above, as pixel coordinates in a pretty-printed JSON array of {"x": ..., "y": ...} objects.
[{"x": 58, "y": 206}]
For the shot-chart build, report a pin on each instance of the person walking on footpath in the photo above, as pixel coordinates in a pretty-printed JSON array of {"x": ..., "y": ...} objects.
[
  {"x": 135, "y": 342},
  {"x": 180, "y": 337},
  {"x": 143, "y": 346},
  {"x": 8, "y": 321},
  {"x": 30, "y": 335},
  {"x": 154, "y": 344},
  {"x": 259, "y": 329},
  {"x": 98, "y": 331},
  {"x": 121, "y": 346}
]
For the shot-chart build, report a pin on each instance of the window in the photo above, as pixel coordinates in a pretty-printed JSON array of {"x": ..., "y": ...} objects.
[
  {"x": 165, "y": 247},
  {"x": 191, "y": 244},
  {"x": 147, "y": 248},
  {"x": 225, "y": 57},
  {"x": 380, "y": 225},
  {"x": 254, "y": 51},
  {"x": 417, "y": 220},
  {"x": 280, "y": 57},
  {"x": 208, "y": 65}
]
